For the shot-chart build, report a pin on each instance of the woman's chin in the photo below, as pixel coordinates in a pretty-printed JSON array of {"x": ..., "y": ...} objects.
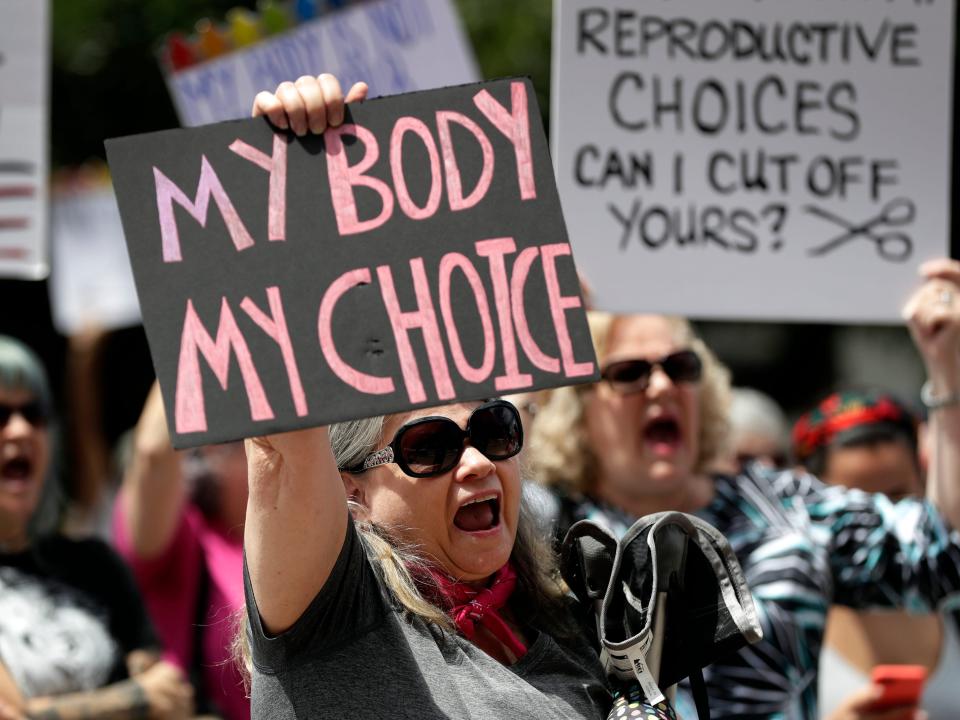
[
  {"x": 665, "y": 475},
  {"x": 15, "y": 513},
  {"x": 479, "y": 563}
]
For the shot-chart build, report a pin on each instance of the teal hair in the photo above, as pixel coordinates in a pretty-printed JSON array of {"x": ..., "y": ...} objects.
[{"x": 21, "y": 369}]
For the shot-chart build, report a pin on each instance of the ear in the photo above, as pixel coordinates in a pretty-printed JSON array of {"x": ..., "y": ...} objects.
[{"x": 355, "y": 494}]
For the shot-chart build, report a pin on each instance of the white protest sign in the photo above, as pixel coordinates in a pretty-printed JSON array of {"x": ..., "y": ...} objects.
[
  {"x": 395, "y": 46},
  {"x": 24, "y": 70},
  {"x": 754, "y": 158},
  {"x": 91, "y": 283}
]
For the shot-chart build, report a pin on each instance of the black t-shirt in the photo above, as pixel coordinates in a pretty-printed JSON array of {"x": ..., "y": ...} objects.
[{"x": 69, "y": 615}]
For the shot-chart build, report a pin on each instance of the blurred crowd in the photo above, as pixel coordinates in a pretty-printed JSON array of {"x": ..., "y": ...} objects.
[
  {"x": 128, "y": 588},
  {"x": 138, "y": 573}
]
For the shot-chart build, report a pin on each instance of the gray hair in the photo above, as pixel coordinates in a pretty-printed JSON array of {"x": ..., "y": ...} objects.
[
  {"x": 21, "y": 369},
  {"x": 752, "y": 411},
  {"x": 540, "y": 593},
  {"x": 353, "y": 440}
]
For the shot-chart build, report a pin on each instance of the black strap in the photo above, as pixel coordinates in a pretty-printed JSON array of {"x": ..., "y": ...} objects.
[
  {"x": 202, "y": 703},
  {"x": 699, "y": 689},
  {"x": 677, "y": 602}
]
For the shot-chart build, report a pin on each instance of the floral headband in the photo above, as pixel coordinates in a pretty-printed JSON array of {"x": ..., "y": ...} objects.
[{"x": 845, "y": 411}]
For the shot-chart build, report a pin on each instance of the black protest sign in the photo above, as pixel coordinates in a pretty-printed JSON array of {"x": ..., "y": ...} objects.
[{"x": 414, "y": 256}]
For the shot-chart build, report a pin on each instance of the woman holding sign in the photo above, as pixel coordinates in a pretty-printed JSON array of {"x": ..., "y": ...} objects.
[
  {"x": 391, "y": 567},
  {"x": 647, "y": 438}
]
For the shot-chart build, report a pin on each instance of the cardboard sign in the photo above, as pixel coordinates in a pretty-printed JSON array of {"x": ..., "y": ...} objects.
[
  {"x": 754, "y": 158},
  {"x": 414, "y": 256},
  {"x": 24, "y": 71},
  {"x": 395, "y": 46},
  {"x": 90, "y": 282}
]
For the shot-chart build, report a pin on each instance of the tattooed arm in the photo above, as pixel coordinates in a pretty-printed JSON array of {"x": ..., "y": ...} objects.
[
  {"x": 158, "y": 693},
  {"x": 125, "y": 700}
]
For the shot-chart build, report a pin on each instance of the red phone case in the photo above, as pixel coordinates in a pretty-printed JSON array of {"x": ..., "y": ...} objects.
[{"x": 902, "y": 685}]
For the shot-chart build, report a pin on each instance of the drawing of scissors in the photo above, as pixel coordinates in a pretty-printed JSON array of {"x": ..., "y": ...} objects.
[{"x": 892, "y": 246}]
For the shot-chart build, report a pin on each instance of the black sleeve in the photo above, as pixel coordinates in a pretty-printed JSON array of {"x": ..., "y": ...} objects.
[
  {"x": 129, "y": 622},
  {"x": 349, "y": 605}
]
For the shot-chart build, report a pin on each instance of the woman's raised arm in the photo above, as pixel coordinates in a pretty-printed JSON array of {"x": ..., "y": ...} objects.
[
  {"x": 297, "y": 511},
  {"x": 154, "y": 492}
]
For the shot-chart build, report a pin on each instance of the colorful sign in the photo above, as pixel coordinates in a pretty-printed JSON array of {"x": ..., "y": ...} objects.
[{"x": 395, "y": 46}]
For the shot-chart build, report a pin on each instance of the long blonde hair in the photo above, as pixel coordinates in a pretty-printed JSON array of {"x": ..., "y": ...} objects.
[
  {"x": 539, "y": 597},
  {"x": 560, "y": 454}
]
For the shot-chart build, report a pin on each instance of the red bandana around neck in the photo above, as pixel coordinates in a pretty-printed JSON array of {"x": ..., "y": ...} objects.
[{"x": 468, "y": 606}]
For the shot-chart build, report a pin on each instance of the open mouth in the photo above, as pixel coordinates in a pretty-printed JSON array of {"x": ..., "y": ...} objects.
[
  {"x": 479, "y": 514},
  {"x": 663, "y": 433},
  {"x": 16, "y": 468}
]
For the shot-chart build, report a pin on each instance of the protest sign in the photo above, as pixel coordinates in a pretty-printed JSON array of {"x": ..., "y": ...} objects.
[
  {"x": 90, "y": 282},
  {"x": 754, "y": 158},
  {"x": 414, "y": 256},
  {"x": 24, "y": 68},
  {"x": 395, "y": 46}
]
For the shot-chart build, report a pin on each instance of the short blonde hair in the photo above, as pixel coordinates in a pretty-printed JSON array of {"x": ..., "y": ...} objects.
[{"x": 560, "y": 454}]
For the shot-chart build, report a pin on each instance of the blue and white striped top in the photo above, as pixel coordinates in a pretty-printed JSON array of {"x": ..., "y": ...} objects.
[{"x": 803, "y": 546}]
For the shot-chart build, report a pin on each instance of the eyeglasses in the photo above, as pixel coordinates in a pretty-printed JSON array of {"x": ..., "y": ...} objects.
[
  {"x": 433, "y": 445},
  {"x": 631, "y": 376},
  {"x": 33, "y": 412}
]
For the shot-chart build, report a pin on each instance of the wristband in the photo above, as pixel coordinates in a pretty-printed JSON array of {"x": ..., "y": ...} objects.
[{"x": 935, "y": 402}]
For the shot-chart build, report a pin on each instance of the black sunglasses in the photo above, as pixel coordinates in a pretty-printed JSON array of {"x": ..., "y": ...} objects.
[
  {"x": 33, "y": 412},
  {"x": 631, "y": 376},
  {"x": 433, "y": 445}
]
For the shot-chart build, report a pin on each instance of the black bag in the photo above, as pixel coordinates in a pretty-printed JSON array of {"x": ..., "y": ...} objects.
[{"x": 670, "y": 590}]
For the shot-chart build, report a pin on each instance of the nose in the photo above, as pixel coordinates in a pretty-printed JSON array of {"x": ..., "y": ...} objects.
[
  {"x": 17, "y": 426},
  {"x": 660, "y": 383},
  {"x": 473, "y": 465}
]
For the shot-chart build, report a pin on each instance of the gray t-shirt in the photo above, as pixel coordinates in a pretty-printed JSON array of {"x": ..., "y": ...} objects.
[{"x": 352, "y": 654}]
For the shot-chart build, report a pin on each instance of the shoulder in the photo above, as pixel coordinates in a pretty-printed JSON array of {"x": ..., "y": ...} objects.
[
  {"x": 760, "y": 499},
  {"x": 61, "y": 548},
  {"x": 576, "y": 507},
  {"x": 761, "y": 484},
  {"x": 89, "y": 562},
  {"x": 350, "y": 604}
]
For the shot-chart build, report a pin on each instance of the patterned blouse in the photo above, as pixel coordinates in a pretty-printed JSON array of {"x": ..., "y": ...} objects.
[{"x": 803, "y": 546}]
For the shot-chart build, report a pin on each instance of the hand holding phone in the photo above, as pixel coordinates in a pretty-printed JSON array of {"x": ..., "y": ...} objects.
[{"x": 902, "y": 685}]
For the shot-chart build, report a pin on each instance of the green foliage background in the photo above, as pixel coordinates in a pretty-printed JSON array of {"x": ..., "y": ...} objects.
[{"x": 106, "y": 80}]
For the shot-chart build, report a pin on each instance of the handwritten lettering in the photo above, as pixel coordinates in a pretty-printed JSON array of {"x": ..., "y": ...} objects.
[
  {"x": 195, "y": 341},
  {"x": 358, "y": 272},
  {"x": 208, "y": 186},
  {"x": 510, "y": 308}
]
